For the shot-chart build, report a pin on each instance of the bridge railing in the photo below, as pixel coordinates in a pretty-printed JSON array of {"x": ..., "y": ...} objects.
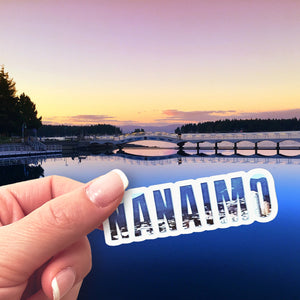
[
  {"x": 14, "y": 148},
  {"x": 284, "y": 135},
  {"x": 128, "y": 135},
  {"x": 242, "y": 135}
]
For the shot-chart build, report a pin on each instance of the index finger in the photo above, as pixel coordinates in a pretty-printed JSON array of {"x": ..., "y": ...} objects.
[
  {"x": 62, "y": 221},
  {"x": 32, "y": 194}
]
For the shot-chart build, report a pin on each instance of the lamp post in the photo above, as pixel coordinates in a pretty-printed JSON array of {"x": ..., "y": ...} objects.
[{"x": 24, "y": 126}]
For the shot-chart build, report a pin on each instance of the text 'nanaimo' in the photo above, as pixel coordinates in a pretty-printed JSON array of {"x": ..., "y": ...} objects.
[{"x": 193, "y": 205}]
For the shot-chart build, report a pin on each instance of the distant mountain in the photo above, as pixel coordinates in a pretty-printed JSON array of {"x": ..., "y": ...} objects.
[{"x": 170, "y": 128}]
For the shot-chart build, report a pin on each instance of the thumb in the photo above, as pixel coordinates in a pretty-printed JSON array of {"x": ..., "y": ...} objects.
[{"x": 57, "y": 224}]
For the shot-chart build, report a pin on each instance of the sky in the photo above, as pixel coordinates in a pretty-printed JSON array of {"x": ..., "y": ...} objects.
[{"x": 153, "y": 62}]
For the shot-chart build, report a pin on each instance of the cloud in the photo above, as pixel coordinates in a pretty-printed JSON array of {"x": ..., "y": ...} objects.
[
  {"x": 197, "y": 116},
  {"x": 79, "y": 119},
  {"x": 173, "y": 116},
  {"x": 90, "y": 118}
]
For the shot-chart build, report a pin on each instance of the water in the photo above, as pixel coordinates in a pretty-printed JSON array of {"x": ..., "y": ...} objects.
[{"x": 257, "y": 261}]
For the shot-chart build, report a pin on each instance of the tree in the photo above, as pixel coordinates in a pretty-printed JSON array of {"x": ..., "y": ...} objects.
[
  {"x": 8, "y": 110},
  {"x": 65, "y": 130},
  {"x": 138, "y": 130},
  {"x": 28, "y": 112},
  {"x": 14, "y": 111},
  {"x": 246, "y": 125},
  {"x": 7, "y": 85}
]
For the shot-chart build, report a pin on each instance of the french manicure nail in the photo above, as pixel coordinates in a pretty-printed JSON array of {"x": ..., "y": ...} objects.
[
  {"x": 62, "y": 283},
  {"x": 123, "y": 177},
  {"x": 106, "y": 189}
]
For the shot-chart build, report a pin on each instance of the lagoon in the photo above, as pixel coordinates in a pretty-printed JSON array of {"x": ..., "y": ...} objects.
[{"x": 256, "y": 261}]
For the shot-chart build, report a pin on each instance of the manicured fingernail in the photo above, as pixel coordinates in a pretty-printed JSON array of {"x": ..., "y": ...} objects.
[
  {"x": 123, "y": 177},
  {"x": 62, "y": 283},
  {"x": 106, "y": 189}
]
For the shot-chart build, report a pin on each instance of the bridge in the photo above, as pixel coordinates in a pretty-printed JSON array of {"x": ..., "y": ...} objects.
[{"x": 198, "y": 139}]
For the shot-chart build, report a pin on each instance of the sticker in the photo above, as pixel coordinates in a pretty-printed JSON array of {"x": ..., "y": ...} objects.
[{"x": 193, "y": 205}]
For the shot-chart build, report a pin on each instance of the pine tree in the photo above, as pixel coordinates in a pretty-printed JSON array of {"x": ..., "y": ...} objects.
[
  {"x": 8, "y": 104},
  {"x": 28, "y": 112},
  {"x": 15, "y": 111}
]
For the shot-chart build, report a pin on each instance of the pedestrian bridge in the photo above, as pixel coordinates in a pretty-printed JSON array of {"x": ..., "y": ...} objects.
[{"x": 199, "y": 138}]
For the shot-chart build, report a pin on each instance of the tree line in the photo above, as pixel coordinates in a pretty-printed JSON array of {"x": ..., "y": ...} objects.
[
  {"x": 247, "y": 125},
  {"x": 19, "y": 112},
  {"x": 15, "y": 111},
  {"x": 69, "y": 130}
]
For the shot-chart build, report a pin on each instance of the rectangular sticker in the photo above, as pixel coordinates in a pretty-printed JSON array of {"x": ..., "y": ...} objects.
[{"x": 193, "y": 205}]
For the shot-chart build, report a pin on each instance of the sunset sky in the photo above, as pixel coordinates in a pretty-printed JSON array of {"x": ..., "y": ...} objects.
[{"x": 158, "y": 61}]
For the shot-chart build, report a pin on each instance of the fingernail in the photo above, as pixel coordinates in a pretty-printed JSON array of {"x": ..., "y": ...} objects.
[
  {"x": 107, "y": 188},
  {"x": 123, "y": 177},
  {"x": 62, "y": 283}
]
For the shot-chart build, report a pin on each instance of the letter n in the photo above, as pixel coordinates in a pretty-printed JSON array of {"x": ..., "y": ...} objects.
[
  {"x": 142, "y": 222},
  {"x": 164, "y": 210},
  {"x": 118, "y": 224}
]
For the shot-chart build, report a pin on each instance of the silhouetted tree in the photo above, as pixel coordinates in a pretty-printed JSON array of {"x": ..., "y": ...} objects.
[
  {"x": 249, "y": 125},
  {"x": 28, "y": 112},
  {"x": 8, "y": 110},
  {"x": 14, "y": 111},
  {"x": 137, "y": 130},
  {"x": 67, "y": 130}
]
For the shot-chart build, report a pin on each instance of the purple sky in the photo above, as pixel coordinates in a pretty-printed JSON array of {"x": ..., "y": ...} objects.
[{"x": 157, "y": 62}]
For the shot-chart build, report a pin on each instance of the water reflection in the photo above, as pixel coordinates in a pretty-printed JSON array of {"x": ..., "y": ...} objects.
[
  {"x": 25, "y": 168},
  {"x": 206, "y": 260},
  {"x": 155, "y": 151},
  {"x": 148, "y": 152},
  {"x": 157, "y": 154},
  {"x": 172, "y": 159},
  {"x": 17, "y": 173},
  {"x": 16, "y": 169},
  {"x": 201, "y": 261}
]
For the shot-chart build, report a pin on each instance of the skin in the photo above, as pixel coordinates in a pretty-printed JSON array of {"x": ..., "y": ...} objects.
[{"x": 44, "y": 224}]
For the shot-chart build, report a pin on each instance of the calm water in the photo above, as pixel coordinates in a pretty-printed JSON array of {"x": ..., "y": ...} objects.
[{"x": 258, "y": 261}]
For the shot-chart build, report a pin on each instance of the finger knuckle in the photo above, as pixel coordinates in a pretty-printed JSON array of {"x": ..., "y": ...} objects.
[{"x": 59, "y": 217}]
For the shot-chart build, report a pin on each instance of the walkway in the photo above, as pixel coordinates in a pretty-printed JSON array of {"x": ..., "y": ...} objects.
[{"x": 19, "y": 150}]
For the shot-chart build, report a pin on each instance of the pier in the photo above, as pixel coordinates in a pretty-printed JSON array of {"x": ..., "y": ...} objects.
[{"x": 33, "y": 149}]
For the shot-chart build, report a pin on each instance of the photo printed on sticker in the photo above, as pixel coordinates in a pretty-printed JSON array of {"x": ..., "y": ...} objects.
[{"x": 194, "y": 205}]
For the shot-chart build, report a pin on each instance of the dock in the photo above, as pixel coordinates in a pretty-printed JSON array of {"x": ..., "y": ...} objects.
[{"x": 20, "y": 150}]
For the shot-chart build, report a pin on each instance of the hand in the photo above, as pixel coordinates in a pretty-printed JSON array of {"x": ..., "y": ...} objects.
[{"x": 44, "y": 251}]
